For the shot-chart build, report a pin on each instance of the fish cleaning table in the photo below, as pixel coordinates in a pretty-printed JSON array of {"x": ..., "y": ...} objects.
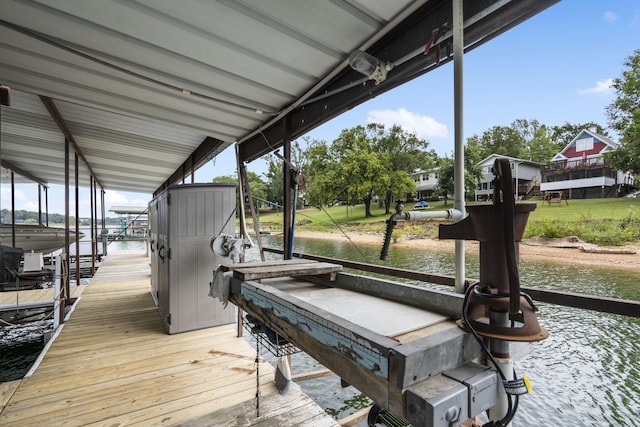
[{"x": 397, "y": 343}]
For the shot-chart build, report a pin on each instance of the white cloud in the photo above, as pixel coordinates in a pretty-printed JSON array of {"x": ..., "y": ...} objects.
[
  {"x": 423, "y": 126},
  {"x": 140, "y": 202},
  {"x": 21, "y": 199},
  {"x": 115, "y": 198},
  {"x": 112, "y": 197},
  {"x": 610, "y": 16},
  {"x": 601, "y": 87}
]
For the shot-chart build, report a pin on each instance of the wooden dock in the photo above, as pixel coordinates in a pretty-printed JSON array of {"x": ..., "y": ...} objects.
[{"x": 112, "y": 364}]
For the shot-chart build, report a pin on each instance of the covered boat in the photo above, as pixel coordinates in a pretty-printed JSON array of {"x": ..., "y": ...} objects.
[{"x": 36, "y": 238}]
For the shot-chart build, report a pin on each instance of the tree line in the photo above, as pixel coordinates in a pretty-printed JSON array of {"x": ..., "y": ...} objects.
[
  {"x": 368, "y": 163},
  {"x": 371, "y": 163},
  {"x": 31, "y": 217}
]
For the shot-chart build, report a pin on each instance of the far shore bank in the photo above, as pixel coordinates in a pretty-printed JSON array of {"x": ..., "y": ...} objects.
[{"x": 561, "y": 251}]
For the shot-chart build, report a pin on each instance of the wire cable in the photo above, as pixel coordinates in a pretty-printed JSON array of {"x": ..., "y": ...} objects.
[
  {"x": 231, "y": 215},
  {"x": 320, "y": 220},
  {"x": 345, "y": 234},
  {"x": 511, "y": 407}
]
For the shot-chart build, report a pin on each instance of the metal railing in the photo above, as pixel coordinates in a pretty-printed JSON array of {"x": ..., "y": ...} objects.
[{"x": 563, "y": 298}]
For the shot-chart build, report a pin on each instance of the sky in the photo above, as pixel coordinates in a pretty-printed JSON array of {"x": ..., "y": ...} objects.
[{"x": 556, "y": 67}]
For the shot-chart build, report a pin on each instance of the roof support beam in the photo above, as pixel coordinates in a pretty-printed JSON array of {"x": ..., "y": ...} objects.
[
  {"x": 57, "y": 117},
  {"x": 13, "y": 168},
  {"x": 404, "y": 44},
  {"x": 207, "y": 149}
]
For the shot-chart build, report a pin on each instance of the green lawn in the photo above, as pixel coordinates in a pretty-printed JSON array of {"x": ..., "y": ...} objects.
[
  {"x": 596, "y": 209},
  {"x": 601, "y": 221}
]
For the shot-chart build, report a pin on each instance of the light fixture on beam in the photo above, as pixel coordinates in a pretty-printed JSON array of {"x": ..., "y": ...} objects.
[
  {"x": 5, "y": 95},
  {"x": 369, "y": 65}
]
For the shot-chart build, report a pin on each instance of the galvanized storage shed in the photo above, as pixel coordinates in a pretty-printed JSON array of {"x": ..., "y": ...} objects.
[{"x": 183, "y": 220}]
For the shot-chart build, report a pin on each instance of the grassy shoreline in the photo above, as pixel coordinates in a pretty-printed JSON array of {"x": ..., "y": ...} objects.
[{"x": 606, "y": 222}]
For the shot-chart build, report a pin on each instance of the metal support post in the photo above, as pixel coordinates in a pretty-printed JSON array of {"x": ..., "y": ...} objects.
[{"x": 458, "y": 204}]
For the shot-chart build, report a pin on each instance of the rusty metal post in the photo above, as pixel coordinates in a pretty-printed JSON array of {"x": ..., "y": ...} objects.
[
  {"x": 103, "y": 234},
  {"x": 92, "y": 205},
  {"x": 39, "y": 204},
  {"x": 95, "y": 215},
  {"x": 286, "y": 235},
  {"x": 46, "y": 206},
  {"x": 65, "y": 251},
  {"x": 77, "y": 197},
  {"x": 13, "y": 211}
]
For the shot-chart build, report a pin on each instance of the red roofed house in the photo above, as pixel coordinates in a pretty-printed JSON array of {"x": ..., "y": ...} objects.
[{"x": 580, "y": 172}]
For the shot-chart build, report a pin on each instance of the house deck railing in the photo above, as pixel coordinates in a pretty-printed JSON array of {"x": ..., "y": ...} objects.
[{"x": 574, "y": 164}]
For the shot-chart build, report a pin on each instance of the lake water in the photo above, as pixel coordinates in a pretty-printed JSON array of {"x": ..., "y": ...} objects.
[
  {"x": 21, "y": 344},
  {"x": 587, "y": 373}
]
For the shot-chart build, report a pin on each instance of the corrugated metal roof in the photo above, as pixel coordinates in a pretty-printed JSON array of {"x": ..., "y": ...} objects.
[{"x": 147, "y": 87}]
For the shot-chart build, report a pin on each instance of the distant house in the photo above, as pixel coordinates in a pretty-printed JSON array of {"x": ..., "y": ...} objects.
[
  {"x": 426, "y": 181},
  {"x": 579, "y": 171},
  {"x": 525, "y": 175}
]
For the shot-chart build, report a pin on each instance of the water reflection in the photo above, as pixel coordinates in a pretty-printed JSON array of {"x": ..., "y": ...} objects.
[{"x": 585, "y": 374}]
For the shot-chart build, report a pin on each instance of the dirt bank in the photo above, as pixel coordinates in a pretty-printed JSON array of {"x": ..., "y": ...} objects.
[{"x": 561, "y": 251}]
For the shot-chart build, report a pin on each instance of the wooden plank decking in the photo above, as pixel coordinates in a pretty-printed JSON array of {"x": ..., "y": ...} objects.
[
  {"x": 113, "y": 365},
  {"x": 282, "y": 268}
]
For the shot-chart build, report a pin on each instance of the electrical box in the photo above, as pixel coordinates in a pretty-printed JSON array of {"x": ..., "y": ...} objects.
[
  {"x": 184, "y": 219},
  {"x": 436, "y": 402},
  {"x": 33, "y": 261},
  {"x": 482, "y": 384},
  {"x": 452, "y": 397}
]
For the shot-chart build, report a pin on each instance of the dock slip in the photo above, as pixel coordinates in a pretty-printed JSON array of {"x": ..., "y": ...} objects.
[{"x": 113, "y": 364}]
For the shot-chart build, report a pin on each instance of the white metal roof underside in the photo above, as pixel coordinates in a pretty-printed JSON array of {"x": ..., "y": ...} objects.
[{"x": 148, "y": 88}]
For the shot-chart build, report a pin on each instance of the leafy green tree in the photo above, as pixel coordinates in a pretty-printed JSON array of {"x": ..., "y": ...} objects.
[
  {"x": 361, "y": 171},
  {"x": 365, "y": 162},
  {"x": 274, "y": 184},
  {"x": 472, "y": 173},
  {"x": 225, "y": 179},
  {"x": 524, "y": 139},
  {"x": 404, "y": 153},
  {"x": 472, "y": 157},
  {"x": 274, "y": 177},
  {"x": 31, "y": 217},
  {"x": 257, "y": 185},
  {"x": 564, "y": 134},
  {"x": 445, "y": 185},
  {"x": 323, "y": 178},
  {"x": 473, "y": 150},
  {"x": 543, "y": 147},
  {"x": 503, "y": 140},
  {"x": 624, "y": 116}
]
